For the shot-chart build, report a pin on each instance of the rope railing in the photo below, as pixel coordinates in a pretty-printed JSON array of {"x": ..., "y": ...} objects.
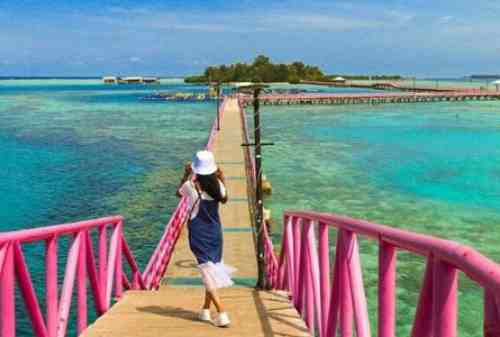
[
  {"x": 104, "y": 274},
  {"x": 331, "y": 297}
]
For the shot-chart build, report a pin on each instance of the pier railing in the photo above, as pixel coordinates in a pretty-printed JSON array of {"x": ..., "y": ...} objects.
[
  {"x": 333, "y": 300},
  {"x": 372, "y": 98},
  {"x": 105, "y": 274},
  {"x": 271, "y": 264}
]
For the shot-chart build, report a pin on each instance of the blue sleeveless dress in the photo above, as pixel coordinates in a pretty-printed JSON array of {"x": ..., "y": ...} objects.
[
  {"x": 205, "y": 240},
  {"x": 205, "y": 233}
]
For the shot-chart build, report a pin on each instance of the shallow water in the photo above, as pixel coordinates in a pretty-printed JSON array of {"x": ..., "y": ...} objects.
[
  {"x": 78, "y": 149},
  {"x": 432, "y": 168}
]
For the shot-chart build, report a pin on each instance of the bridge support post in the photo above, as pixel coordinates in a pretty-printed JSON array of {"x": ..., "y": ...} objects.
[
  {"x": 218, "y": 105},
  {"x": 259, "y": 211}
]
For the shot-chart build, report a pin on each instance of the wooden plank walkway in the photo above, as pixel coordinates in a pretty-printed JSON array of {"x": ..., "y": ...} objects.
[
  {"x": 172, "y": 311},
  {"x": 374, "y": 98}
]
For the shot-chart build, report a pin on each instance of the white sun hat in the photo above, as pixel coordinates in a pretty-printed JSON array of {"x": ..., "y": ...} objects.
[{"x": 204, "y": 163}]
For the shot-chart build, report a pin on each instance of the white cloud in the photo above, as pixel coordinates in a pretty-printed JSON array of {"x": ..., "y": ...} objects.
[
  {"x": 309, "y": 22},
  {"x": 135, "y": 59},
  {"x": 77, "y": 62},
  {"x": 128, "y": 11},
  {"x": 399, "y": 17},
  {"x": 196, "y": 27},
  {"x": 445, "y": 19}
]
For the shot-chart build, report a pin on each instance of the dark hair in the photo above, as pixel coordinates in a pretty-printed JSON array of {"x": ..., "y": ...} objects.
[{"x": 210, "y": 184}]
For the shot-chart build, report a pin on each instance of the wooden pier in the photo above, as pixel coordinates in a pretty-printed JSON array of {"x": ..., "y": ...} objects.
[
  {"x": 173, "y": 309},
  {"x": 375, "y": 98},
  {"x": 385, "y": 85}
]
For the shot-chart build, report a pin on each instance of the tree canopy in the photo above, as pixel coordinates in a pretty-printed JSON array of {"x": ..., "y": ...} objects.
[{"x": 260, "y": 70}]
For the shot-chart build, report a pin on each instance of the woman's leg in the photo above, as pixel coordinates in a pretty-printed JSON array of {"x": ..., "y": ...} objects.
[
  {"x": 208, "y": 300},
  {"x": 214, "y": 297}
]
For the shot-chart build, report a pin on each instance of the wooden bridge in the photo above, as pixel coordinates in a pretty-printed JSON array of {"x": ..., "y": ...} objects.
[
  {"x": 310, "y": 295},
  {"x": 375, "y": 98},
  {"x": 386, "y": 85}
]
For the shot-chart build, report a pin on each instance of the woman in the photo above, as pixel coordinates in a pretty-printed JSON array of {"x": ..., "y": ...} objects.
[{"x": 204, "y": 194}]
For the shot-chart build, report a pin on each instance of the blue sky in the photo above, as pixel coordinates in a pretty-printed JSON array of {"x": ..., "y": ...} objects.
[{"x": 413, "y": 37}]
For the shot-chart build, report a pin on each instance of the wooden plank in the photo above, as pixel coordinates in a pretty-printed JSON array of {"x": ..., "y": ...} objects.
[{"x": 173, "y": 312}]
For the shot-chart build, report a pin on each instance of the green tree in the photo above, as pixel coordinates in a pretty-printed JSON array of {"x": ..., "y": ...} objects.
[{"x": 261, "y": 69}]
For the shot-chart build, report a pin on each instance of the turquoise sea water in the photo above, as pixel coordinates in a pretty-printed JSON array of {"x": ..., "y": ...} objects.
[
  {"x": 77, "y": 149},
  {"x": 431, "y": 168}
]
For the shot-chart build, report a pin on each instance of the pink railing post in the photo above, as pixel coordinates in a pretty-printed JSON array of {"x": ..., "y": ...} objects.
[
  {"x": 68, "y": 284},
  {"x": 346, "y": 309},
  {"x": 307, "y": 281},
  {"x": 82, "y": 286},
  {"x": 282, "y": 265},
  {"x": 315, "y": 276},
  {"x": 7, "y": 300},
  {"x": 113, "y": 253},
  {"x": 387, "y": 290},
  {"x": 296, "y": 252},
  {"x": 422, "y": 325},
  {"x": 28, "y": 292},
  {"x": 491, "y": 324},
  {"x": 97, "y": 288},
  {"x": 308, "y": 297},
  {"x": 357, "y": 288},
  {"x": 334, "y": 306},
  {"x": 52, "y": 296},
  {"x": 290, "y": 260},
  {"x": 119, "y": 266},
  {"x": 303, "y": 269},
  {"x": 444, "y": 313},
  {"x": 103, "y": 260},
  {"x": 324, "y": 265}
]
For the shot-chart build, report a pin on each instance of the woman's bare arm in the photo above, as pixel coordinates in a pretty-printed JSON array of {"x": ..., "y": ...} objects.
[
  {"x": 187, "y": 174},
  {"x": 220, "y": 176}
]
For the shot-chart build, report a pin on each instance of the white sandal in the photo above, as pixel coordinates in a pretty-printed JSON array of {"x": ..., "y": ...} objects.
[
  {"x": 222, "y": 320},
  {"x": 204, "y": 315}
]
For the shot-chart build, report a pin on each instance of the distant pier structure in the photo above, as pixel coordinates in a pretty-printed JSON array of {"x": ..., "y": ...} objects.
[
  {"x": 131, "y": 80},
  {"x": 385, "y": 85},
  {"x": 374, "y": 98}
]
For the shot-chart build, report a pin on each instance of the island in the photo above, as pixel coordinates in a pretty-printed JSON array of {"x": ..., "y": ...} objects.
[{"x": 262, "y": 69}]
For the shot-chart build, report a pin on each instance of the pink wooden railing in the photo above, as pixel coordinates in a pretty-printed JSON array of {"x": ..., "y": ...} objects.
[
  {"x": 104, "y": 274},
  {"x": 331, "y": 301}
]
